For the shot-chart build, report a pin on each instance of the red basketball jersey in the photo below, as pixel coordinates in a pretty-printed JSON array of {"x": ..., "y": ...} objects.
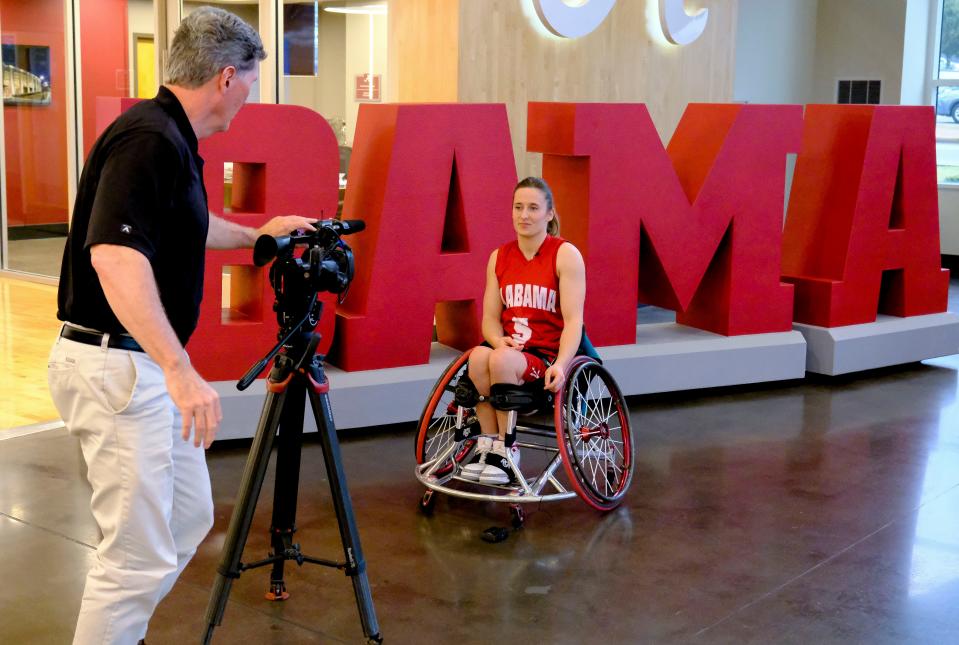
[{"x": 529, "y": 290}]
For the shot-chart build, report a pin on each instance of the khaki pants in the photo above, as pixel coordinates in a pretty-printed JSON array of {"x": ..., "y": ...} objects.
[{"x": 151, "y": 490}]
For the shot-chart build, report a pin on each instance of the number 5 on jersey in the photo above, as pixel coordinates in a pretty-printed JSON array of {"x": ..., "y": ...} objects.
[{"x": 521, "y": 330}]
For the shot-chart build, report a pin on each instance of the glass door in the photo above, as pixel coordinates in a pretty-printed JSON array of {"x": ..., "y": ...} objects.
[
  {"x": 64, "y": 61},
  {"x": 250, "y": 12},
  {"x": 35, "y": 117},
  {"x": 334, "y": 58}
]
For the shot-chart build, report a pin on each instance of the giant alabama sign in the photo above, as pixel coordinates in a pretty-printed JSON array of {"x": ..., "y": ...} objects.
[{"x": 695, "y": 226}]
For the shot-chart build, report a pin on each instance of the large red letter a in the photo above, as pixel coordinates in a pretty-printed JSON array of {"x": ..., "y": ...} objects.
[
  {"x": 433, "y": 183},
  {"x": 862, "y": 233}
]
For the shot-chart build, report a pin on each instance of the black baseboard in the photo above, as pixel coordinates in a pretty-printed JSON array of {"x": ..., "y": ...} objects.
[
  {"x": 951, "y": 262},
  {"x": 36, "y": 232}
]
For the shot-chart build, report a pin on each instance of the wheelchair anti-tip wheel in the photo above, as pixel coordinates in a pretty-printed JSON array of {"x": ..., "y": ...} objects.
[
  {"x": 436, "y": 430},
  {"x": 592, "y": 432}
]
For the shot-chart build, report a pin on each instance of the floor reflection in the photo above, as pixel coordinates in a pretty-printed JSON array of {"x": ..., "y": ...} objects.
[
  {"x": 818, "y": 511},
  {"x": 935, "y": 553},
  {"x": 39, "y": 256}
]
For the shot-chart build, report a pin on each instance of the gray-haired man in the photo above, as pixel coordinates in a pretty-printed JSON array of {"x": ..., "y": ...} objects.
[{"x": 130, "y": 290}]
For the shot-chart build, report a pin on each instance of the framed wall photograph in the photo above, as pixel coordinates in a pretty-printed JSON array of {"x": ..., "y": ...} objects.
[{"x": 26, "y": 75}]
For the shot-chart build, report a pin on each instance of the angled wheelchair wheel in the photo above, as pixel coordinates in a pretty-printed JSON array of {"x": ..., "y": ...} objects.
[
  {"x": 436, "y": 430},
  {"x": 592, "y": 432}
]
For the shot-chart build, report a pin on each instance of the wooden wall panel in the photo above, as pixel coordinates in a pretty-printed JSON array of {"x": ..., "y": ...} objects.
[
  {"x": 422, "y": 48},
  {"x": 504, "y": 57}
]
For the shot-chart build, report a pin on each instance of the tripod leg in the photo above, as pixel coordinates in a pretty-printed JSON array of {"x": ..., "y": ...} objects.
[
  {"x": 283, "y": 525},
  {"x": 243, "y": 509},
  {"x": 350, "y": 536}
]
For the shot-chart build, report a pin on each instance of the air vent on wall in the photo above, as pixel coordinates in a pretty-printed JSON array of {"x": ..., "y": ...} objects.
[{"x": 867, "y": 92}]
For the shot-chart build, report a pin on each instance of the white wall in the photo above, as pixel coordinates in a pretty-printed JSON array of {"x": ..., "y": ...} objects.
[
  {"x": 140, "y": 16},
  {"x": 775, "y": 51},
  {"x": 794, "y": 51},
  {"x": 916, "y": 51},
  {"x": 250, "y": 13},
  {"x": 325, "y": 92},
  {"x": 949, "y": 220},
  {"x": 139, "y": 21},
  {"x": 358, "y": 60},
  {"x": 859, "y": 39}
]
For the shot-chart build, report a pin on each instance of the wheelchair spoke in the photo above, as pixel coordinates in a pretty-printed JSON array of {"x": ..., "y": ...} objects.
[
  {"x": 596, "y": 437},
  {"x": 443, "y": 435},
  {"x": 594, "y": 464},
  {"x": 441, "y": 422},
  {"x": 609, "y": 407},
  {"x": 616, "y": 446}
]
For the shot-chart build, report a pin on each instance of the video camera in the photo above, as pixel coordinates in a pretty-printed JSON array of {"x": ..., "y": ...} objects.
[{"x": 326, "y": 264}]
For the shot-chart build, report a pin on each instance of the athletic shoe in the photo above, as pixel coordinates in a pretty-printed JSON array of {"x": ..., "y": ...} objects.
[
  {"x": 473, "y": 470},
  {"x": 498, "y": 470}
]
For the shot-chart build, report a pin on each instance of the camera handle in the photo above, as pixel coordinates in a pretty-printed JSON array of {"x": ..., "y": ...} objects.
[
  {"x": 295, "y": 375},
  {"x": 260, "y": 365}
]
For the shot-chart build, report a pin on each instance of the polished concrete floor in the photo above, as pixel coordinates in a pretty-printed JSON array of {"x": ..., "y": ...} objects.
[{"x": 817, "y": 511}]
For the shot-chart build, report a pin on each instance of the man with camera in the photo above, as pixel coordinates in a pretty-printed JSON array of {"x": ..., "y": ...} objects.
[{"x": 130, "y": 290}]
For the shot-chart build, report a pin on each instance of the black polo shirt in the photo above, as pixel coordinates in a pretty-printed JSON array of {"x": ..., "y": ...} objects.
[{"x": 141, "y": 187}]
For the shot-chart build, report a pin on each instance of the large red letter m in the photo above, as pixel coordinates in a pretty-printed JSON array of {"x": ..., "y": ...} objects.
[{"x": 695, "y": 228}]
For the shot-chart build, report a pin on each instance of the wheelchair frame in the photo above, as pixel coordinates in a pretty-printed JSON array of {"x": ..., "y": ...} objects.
[{"x": 591, "y": 437}]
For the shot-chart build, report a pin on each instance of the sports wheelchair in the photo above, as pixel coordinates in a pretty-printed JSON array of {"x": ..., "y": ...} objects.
[{"x": 583, "y": 430}]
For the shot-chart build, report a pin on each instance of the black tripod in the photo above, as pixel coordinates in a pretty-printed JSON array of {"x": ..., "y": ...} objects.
[{"x": 296, "y": 372}]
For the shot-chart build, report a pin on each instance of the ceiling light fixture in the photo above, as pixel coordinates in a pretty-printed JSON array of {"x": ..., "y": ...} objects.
[{"x": 366, "y": 9}]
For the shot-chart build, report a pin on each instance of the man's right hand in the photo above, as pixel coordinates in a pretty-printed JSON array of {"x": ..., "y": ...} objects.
[
  {"x": 130, "y": 287},
  {"x": 198, "y": 402}
]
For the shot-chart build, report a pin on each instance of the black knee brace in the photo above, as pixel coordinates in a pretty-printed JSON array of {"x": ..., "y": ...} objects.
[
  {"x": 465, "y": 394},
  {"x": 506, "y": 396}
]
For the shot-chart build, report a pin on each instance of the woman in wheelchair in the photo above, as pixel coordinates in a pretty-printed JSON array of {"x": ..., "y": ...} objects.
[{"x": 532, "y": 322}]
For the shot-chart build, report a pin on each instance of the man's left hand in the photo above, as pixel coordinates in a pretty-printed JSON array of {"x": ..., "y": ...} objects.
[{"x": 286, "y": 224}]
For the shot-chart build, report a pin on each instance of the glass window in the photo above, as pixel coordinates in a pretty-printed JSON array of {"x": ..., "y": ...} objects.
[
  {"x": 946, "y": 94},
  {"x": 114, "y": 59},
  {"x": 35, "y": 118},
  {"x": 334, "y": 60},
  {"x": 142, "y": 47},
  {"x": 249, "y": 11}
]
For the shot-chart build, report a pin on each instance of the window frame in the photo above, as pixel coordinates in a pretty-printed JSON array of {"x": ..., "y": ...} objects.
[{"x": 933, "y": 82}]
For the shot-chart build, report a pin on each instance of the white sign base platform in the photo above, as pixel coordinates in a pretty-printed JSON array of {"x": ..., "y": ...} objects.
[
  {"x": 667, "y": 357},
  {"x": 888, "y": 341}
]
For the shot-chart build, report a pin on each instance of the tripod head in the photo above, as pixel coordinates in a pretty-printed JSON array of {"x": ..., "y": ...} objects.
[{"x": 325, "y": 265}]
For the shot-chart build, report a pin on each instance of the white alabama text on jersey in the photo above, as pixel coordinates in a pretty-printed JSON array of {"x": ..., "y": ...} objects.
[{"x": 529, "y": 295}]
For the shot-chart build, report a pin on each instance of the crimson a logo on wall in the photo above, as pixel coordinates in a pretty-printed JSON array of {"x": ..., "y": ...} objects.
[{"x": 576, "y": 18}]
